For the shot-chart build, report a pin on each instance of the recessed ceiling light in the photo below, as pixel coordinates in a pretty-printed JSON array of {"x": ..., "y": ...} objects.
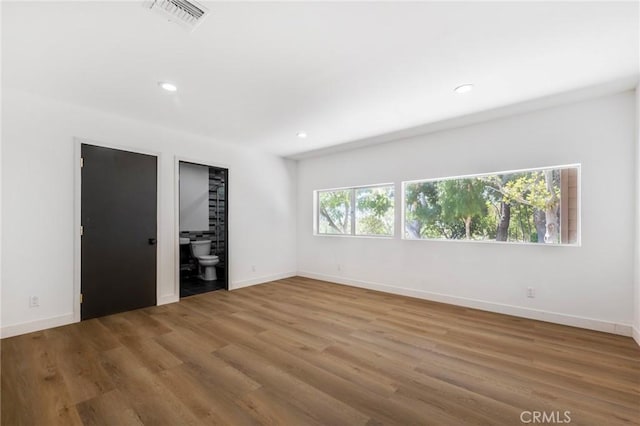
[
  {"x": 465, "y": 88},
  {"x": 167, "y": 86},
  {"x": 301, "y": 135}
]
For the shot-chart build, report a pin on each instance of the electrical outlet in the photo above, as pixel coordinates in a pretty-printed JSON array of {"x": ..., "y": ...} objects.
[
  {"x": 531, "y": 292},
  {"x": 253, "y": 268},
  {"x": 339, "y": 267},
  {"x": 34, "y": 301}
]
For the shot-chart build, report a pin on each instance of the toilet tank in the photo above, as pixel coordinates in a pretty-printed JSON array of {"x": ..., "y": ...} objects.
[{"x": 201, "y": 248}]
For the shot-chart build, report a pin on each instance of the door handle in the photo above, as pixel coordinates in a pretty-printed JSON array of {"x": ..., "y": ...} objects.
[{"x": 152, "y": 241}]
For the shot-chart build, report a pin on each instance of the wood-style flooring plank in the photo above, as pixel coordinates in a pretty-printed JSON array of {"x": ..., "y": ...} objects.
[{"x": 304, "y": 352}]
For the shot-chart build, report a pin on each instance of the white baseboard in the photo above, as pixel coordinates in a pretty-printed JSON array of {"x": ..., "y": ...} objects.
[
  {"x": 37, "y": 325},
  {"x": 571, "y": 320},
  {"x": 636, "y": 335},
  {"x": 165, "y": 300},
  {"x": 43, "y": 324},
  {"x": 260, "y": 280},
  {"x": 519, "y": 311}
]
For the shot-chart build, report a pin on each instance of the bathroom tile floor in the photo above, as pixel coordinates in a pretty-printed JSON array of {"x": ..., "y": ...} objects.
[{"x": 194, "y": 285}]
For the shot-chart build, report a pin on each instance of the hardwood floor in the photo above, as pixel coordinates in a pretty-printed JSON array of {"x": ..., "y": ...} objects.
[{"x": 299, "y": 351}]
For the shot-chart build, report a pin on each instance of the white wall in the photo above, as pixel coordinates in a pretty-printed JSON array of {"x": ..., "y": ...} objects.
[
  {"x": 38, "y": 204},
  {"x": 589, "y": 286},
  {"x": 194, "y": 197}
]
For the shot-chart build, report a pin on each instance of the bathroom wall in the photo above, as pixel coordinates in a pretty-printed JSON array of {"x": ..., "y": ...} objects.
[
  {"x": 38, "y": 167},
  {"x": 194, "y": 197},
  {"x": 217, "y": 208}
]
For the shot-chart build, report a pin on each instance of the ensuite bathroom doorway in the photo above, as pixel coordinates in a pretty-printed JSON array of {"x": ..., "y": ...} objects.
[{"x": 203, "y": 232}]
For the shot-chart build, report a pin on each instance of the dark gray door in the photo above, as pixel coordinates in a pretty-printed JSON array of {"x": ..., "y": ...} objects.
[{"x": 119, "y": 220}]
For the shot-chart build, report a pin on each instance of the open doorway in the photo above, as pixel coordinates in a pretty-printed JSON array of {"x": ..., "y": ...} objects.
[{"x": 204, "y": 236}]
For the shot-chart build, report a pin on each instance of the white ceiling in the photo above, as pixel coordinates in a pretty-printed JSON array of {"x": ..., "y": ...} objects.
[{"x": 257, "y": 73}]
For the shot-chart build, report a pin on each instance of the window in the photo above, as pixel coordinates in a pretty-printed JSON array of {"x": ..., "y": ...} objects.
[
  {"x": 527, "y": 206},
  {"x": 362, "y": 211},
  {"x": 334, "y": 212}
]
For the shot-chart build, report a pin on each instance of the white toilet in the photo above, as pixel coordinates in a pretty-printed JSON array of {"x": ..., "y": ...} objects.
[{"x": 201, "y": 250}]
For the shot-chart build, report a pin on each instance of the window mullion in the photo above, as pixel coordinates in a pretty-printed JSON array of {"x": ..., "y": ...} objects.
[{"x": 353, "y": 211}]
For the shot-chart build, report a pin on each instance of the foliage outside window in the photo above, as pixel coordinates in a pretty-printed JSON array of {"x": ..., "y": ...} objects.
[
  {"x": 530, "y": 206},
  {"x": 363, "y": 211}
]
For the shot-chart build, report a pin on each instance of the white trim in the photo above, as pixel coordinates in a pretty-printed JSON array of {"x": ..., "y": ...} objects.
[
  {"x": 1, "y": 227},
  {"x": 519, "y": 311},
  {"x": 509, "y": 243},
  {"x": 77, "y": 222},
  {"x": 503, "y": 172},
  {"x": 261, "y": 280},
  {"x": 36, "y": 325},
  {"x": 374, "y": 237},
  {"x": 343, "y": 188},
  {"x": 635, "y": 333},
  {"x": 176, "y": 223},
  {"x": 168, "y": 298},
  {"x": 77, "y": 219}
]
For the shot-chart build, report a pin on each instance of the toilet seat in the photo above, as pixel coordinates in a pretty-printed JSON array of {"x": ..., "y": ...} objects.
[{"x": 205, "y": 258}]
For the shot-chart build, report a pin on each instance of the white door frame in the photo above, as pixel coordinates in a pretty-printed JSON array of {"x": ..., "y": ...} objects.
[
  {"x": 176, "y": 245},
  {"x": 77, "y": 216}
]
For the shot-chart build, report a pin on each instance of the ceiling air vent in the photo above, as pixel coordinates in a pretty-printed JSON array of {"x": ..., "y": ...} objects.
[{"x": 183, "y": 12}]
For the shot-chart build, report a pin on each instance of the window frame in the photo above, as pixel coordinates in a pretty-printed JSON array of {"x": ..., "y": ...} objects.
[
  {"x": 352, "y": 211},
  {"x": 578, "y": 243}
]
